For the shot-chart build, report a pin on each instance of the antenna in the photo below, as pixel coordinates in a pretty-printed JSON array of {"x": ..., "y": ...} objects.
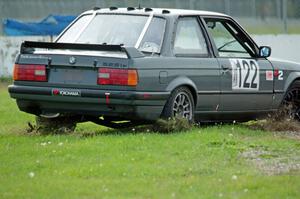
[{"x": 139, "y": 2}]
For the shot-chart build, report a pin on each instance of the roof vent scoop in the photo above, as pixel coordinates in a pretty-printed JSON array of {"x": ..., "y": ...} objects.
[
  {"x": 139, "y": 8},
  {"x": 96, "y": 8},
  {"x": 166, "y": 12},
  {"x": 148, "y": 9},
  {"x": 130, "y": 8},
  {"x": 113, "y": 8}
]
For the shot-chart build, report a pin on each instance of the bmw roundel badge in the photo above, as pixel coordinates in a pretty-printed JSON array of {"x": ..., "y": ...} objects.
[{"x": 72, "y": 60}]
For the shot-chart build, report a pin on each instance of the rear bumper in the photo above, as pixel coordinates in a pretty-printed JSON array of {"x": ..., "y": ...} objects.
[{"x": 125, "y": 104}]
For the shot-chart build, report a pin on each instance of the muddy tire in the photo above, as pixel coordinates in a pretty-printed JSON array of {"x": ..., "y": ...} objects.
[
  {"x": 291, "y": 102},
  {"x": 180, "y": 104},
  {"x": 56, "y": 125}
]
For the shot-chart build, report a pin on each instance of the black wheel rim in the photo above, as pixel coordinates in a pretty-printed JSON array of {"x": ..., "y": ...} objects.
[
  {"x": 182, "y": 106},
  {"x": 292, "y": 103}
]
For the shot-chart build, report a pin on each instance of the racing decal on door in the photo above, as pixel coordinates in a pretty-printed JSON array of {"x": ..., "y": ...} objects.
[
  {"x": 278, "y": 74},
  {"x": 245, "y": 74},
  {"x": 269, "y": 75}
]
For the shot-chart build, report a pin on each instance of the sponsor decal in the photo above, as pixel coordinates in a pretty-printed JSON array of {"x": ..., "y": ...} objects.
[
  {"x": 245, "y": 74},
  {"x": 33, "y": 57},
  {"x": 64, "y": 92},
  {"x": 269, "y": 75}
]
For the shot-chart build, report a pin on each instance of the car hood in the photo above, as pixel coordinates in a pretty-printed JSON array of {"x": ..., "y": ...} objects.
[{"x": 284, "y": 64}]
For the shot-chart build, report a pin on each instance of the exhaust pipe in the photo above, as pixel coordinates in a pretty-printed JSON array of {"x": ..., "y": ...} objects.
[{"x": 50, "y": 115}]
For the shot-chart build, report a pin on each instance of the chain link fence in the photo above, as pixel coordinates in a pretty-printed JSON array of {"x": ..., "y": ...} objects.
[{"x": 258, "y": 16}]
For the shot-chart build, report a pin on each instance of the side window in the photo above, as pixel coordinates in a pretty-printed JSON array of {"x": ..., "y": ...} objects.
[
  {"x": 189, "y": 38},
  {"x": 228, "y": 40},
  {"x": 153, "y": 38}
]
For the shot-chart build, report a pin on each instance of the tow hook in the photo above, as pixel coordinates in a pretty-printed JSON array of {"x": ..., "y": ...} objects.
[
  {"x": 107, "y": 98},
  {"x": 49, "y": 115}
]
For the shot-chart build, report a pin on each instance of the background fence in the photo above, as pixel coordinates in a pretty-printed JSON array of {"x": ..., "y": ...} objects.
[
  {"x": 262, "y": 18},
  {"x": 257, "y": 15}
]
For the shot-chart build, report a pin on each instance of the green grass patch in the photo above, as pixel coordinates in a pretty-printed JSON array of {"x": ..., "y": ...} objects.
[
  {"x": 5, "y": 80},
  {"x": 208, "y": 162}
]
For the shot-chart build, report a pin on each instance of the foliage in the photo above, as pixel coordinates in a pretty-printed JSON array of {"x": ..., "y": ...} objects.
[
  {"x": 282, "y": 121},
  {"x": 5, "y": 80},
  {"x": 229, "y": 161},
  {"x": 171, "y": 125}
]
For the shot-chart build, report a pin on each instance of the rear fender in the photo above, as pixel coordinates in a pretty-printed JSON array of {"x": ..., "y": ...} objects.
[{"x": 183, "y": 81}]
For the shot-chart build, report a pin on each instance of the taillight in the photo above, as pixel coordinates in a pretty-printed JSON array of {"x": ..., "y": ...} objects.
[
  {"x": 112, "y": 76},
  {"x": 30, "y": 72}
]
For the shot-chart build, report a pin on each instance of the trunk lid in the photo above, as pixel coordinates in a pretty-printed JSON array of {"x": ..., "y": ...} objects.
[{"x": 76, "y": 65}]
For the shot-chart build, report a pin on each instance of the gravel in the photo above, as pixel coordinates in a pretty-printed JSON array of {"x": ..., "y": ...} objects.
[{"x": 273, "y": 163}]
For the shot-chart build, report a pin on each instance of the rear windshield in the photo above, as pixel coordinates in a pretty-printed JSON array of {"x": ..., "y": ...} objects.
[{"x": 143, "y": 32}]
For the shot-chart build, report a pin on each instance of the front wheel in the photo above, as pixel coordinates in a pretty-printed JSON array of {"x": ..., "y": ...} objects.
[
  {"x": 291, "y": 103},
  {"x": 180, "y": 104}
]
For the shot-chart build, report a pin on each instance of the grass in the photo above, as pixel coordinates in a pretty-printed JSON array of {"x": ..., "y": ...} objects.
[
  {"x": 205, "y": 162},
  {"x": 5, "y": 80},
  {"x": 271, "y": 29}
]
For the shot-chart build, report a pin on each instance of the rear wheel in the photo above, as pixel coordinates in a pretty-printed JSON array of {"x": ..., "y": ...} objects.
[
  {"x": 180, "y": 104},
  {"x": 56, "y": 125},
  {"x": 291, "y": 102}
]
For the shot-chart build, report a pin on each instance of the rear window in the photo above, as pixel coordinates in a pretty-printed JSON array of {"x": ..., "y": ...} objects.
[{"x": 116, "y": 29}]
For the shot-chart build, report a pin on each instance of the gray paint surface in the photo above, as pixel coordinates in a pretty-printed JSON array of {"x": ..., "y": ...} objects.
[
  {"x": 285, "y": 47},
  {"x": 208, "y": 80}
]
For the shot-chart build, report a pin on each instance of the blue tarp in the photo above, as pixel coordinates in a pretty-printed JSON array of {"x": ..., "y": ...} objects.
[{"x": 51, "y": 25}]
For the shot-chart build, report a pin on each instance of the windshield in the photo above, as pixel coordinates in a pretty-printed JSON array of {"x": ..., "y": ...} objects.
[{"x": 113, "y": 29}]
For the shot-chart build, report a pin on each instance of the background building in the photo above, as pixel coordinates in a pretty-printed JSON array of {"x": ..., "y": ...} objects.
[
  {"x": 275, "y": 23},
  {"x": 258, "y": 16}
]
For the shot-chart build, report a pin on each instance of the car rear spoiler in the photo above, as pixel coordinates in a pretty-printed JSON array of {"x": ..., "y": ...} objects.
[{"x": 27, "y": 47}]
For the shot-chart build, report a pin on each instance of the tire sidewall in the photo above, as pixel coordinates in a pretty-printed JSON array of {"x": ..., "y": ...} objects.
[{"x": 168, "y": 108}]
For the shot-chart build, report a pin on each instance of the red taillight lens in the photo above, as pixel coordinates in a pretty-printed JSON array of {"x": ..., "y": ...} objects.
[
  {"x": 30, "y": 72},
  {"x": 111, "y": 76}
]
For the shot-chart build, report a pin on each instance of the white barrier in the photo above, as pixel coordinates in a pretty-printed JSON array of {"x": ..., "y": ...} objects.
[
  {"x": 9, "y": 48},
  {"x": 283, "y": 47}
]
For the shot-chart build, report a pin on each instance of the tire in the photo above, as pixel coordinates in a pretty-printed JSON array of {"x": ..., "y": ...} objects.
[
  {"x": 180, "y": 104},
  {"x": 291, "y": 103},
  {"x": 56, "y": 125}
]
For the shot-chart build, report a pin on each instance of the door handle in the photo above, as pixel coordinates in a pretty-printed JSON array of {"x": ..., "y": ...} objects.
[{"x": 225, "y": 67}]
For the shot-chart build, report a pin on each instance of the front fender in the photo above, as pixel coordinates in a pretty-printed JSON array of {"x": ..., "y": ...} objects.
[{"x": 291, "y": 78}]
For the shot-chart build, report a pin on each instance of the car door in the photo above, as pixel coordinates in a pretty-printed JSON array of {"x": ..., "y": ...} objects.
[
  {"x": 246, "y": 84},
  {"x": 196, "y": 61}
]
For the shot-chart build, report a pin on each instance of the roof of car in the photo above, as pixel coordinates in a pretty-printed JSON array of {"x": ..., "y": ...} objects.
[{"x": 155, "y": 11}]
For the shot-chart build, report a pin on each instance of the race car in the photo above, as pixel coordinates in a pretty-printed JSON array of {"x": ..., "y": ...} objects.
[{"x": 141, "y": 64}]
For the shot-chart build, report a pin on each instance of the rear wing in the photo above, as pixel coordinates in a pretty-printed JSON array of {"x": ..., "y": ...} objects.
[{"x": 28, "y": 47}]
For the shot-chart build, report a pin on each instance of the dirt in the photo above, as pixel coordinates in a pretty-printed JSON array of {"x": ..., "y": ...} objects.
[{"x": 273, "y": 163}]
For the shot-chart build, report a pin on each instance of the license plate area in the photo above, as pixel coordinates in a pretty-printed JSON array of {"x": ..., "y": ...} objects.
[{"x": 73, "y": 76}]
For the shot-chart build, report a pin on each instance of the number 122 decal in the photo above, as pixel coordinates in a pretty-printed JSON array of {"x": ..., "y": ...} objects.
[{"x": 245, "y": 74}]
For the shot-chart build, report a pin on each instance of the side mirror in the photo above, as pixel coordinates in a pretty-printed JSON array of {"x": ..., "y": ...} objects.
[
  {"x": 211, "y": 24},
  {"x": 264, "y": 51}
]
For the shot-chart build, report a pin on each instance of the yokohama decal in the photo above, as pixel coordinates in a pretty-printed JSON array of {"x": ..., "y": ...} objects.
[
  {"x": 64, "y": 92},
  {"x": 245, "y": 74}
]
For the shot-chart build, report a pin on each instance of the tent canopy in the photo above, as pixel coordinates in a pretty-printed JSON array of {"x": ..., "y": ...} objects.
[{"x": 51, "y": 25}]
